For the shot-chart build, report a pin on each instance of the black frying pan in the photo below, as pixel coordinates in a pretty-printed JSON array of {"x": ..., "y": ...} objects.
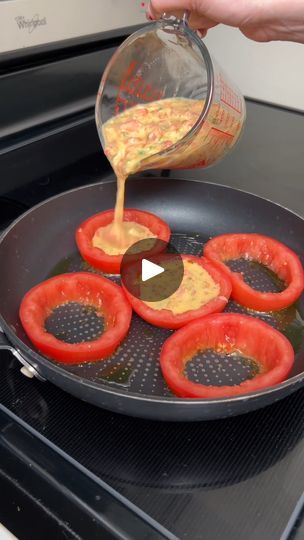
[{"x": 41, "y": 243}]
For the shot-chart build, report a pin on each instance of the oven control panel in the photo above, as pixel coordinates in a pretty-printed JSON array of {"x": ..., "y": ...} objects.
[{"x": 30, "y": 23}]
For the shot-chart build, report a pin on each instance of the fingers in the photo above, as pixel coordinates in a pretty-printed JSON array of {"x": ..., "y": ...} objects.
[
  {"x": 157, "y": 8},
  {"x": 178, "y": 7},
  {"x": 261, "y": 35},
  {"x": 202, "y": 32},
  {"x": 261, "y": 20}
]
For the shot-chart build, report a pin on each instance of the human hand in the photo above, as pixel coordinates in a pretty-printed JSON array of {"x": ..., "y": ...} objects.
[{"x": 260, "y": 20}]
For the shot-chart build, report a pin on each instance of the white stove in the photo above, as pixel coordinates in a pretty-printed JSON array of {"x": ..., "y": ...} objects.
[{"x": 29, "y": 23}]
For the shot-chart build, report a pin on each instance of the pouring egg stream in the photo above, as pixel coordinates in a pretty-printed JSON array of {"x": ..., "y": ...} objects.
[{"x": 136, "y": 140}]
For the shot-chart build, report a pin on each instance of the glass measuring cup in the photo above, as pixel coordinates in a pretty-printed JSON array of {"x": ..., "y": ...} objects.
[{"x": 167, "y": 60}]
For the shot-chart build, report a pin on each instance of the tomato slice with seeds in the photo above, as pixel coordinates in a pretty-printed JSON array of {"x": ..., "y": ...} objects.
[
  {"x": 102, "y": 295},
  {"x": 228, "y": 333},
  {"x": 111, "y": 263},
  {"x": 266, "y": 251},
  {"x": 166, "y": 318}
]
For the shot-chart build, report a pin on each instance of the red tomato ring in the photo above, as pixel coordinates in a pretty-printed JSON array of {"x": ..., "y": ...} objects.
[
  {"x": 82, "y": 287},
  {"x": 267, "y": 251},
  {"x": 111, "y": 263},
  {"x": 167, "y": 319},
  {"x": 227, "y": 332}
]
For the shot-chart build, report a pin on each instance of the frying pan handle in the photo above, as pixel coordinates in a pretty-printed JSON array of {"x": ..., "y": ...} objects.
[{"x": 27, "y": 369}]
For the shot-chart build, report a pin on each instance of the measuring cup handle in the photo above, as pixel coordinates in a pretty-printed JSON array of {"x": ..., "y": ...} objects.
[{"x": 186, "y": 17}]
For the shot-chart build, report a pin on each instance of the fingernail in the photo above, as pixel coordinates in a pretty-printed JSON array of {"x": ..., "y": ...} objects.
[{"x": 202, "y": 33}]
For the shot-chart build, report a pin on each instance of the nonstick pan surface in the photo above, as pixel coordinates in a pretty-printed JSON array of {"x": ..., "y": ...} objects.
[{"x": 41, "y": 243}]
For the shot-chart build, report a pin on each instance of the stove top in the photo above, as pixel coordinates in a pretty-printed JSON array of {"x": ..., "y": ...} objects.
[{"x": 235, "y": 478}]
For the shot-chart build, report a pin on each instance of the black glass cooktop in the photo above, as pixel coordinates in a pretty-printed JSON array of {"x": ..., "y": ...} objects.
[{"x": 236, "y": 478}]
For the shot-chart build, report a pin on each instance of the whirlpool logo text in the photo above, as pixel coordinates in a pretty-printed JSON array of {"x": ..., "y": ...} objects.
[{"x": 30, "y": 24}]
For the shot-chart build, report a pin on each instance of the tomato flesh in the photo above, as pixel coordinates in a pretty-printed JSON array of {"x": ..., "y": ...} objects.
[
  {"x": 96, "y": 257},
  {"x": 88, "y": 289},
  {"x": 167, "y": 319},
  {"x": 270, "y": 253},
  {"x": 227, "y": 332}
]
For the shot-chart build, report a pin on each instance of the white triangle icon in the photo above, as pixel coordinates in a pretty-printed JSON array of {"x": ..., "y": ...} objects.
[{"x": 150, "y": 270}]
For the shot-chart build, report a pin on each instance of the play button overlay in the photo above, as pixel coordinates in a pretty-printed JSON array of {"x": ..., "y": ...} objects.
[{"x": 152, "y": 270}]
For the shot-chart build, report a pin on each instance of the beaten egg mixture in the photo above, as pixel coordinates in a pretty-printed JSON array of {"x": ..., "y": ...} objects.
[
  {"x": 197, "y": 289},
  {"x": 145, "y": 130},
  {"x": 131, "y": 138},
  {"x": 135, "y": 137},
  {"x": 116, "y": 238}
]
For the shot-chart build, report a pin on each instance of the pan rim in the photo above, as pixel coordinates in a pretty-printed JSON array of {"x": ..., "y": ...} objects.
[
  {"x": 169, "y": 401},
  {"x": 136, "y": 179}
]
